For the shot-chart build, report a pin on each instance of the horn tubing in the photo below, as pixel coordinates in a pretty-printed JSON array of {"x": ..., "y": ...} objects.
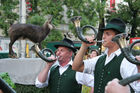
[
  {"x": 36, "y": 49},
  {"x": 128, "y": 55},
  {"x": 130, "y": 79},
  {"x": 5, "y": 87},
  {"x": 79, "y": 29},
  {"x": 119, "y": 39},
  {"x": 126, "y": 50},
  {"x": 80, "y": 33}
]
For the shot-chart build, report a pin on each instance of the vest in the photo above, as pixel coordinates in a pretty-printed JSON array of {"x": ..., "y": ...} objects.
[
  {"x": 65, "y": 83},
  {"x": 105, "y": 73}
]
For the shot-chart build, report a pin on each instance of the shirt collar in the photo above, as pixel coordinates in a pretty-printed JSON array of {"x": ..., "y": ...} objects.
[
  {"x": 70, "y": 63},
  {"x": 117, "y": 52}
]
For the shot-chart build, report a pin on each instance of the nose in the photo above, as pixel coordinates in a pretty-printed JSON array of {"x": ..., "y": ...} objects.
[{"x": 103, "y": 36}]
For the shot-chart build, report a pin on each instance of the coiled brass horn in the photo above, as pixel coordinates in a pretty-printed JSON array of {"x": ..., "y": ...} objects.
[
  {"x": 127, "y": 50},
  {"x": 79, "y": 31},
  {"x": 42, "y": 53}
]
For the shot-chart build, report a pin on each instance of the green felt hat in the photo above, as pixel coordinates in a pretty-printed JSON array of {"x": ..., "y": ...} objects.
[
  {"x": 66, "y": 43},
  {"x": 116, "y": 24}
]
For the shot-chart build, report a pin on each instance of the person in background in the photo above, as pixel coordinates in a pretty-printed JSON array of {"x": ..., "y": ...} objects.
[
  {"x": 93, "y": 53},
  {"x": 111, "y": 64},
  {"x": 58, "y": 76}
]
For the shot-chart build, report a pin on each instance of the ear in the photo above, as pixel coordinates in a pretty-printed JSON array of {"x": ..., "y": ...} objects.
[
  {"x": 50, "y": 19},
  {"x": 71, "y": 53}
]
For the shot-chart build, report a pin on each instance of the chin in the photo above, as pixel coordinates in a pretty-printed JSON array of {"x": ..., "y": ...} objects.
[{"x": 105, "y": 44}]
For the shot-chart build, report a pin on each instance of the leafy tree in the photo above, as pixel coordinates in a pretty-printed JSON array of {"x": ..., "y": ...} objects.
[
  {"x": 36, "y": 20},
  {"x": 92, "y": 12},
  {"x": 40, "y": 9},
  {"x": 51, "y": 7},
  {"x": 55, "y": 35},
  {"x": 7, "y": 14},
  {"x": 129, "y": 11},
  {"x": 100, "y": 8},
  {"x": 85, "y": 9}
]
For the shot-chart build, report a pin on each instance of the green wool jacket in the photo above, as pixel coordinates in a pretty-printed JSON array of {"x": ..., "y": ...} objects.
[
  {"x": 105, "y": 73},
  {"x": 65, "y": 83}
]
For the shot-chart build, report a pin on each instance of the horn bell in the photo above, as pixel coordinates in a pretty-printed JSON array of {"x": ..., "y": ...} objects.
[
  {"x": 79, "y": 31},
  {"x": 41, "y": 54}
]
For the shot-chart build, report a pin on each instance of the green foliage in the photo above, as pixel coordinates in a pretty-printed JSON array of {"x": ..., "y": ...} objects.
[
  {"x": 55, "y": 35},
  {"x": 29, "y": 89},
  {"x": 129, "y": 12},
  {"x": 87, "y": 9},
  {"x": 19, "y": 88},
  {"x": 52, "y": 7},
  {"x": 84, "y": 8},
  {"x": 7, "y": 15},
  {"x": 92, "y": 11},
  {"x": 7, "y": 79},
  {"x": 36, "y": 20}
]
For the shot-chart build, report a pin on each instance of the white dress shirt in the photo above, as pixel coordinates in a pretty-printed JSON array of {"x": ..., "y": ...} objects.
[
  {"x": 126, "y": 69},
  {"x": 81, "y": 78}
]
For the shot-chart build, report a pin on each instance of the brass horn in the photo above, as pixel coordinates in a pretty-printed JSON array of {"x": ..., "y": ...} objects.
[
  {"x": 79, "y": 31},
  {"x": 127, "y": 50},
  {"x": 42, "y": 53}
]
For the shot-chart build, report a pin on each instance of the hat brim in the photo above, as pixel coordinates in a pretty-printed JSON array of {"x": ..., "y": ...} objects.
[
  {"x": 108, "y": 29},
  {"x": 114, "y": 27},
  {"x": 65, "y": 45}
]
